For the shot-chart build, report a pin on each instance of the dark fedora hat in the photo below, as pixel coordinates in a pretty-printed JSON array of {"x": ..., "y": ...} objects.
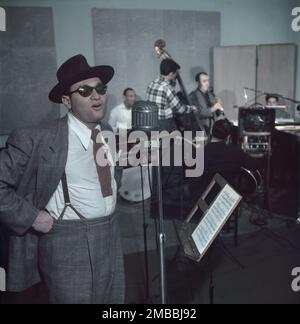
[{"x": 77, "y": 69}]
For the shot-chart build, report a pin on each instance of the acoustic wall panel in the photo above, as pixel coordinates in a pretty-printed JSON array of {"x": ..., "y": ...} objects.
[
  {"x": 276, "y": 70},
  {"x": 27, "y": 68},
  {"x": 234, "y": 69},
  {"x": 267, "y": 68},
  {"x": 125, "y": 39}
]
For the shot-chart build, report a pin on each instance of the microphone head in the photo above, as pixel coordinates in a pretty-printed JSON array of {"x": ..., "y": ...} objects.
[{"x": 145, "y": 116}]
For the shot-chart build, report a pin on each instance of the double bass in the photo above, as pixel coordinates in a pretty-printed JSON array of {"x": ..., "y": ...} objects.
[{"x": 185, "y": 122}]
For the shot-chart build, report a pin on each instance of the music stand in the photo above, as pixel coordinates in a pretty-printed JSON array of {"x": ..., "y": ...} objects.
[
  {"x": 196, "y": 241},
  {"x": 213, "y": 217}
]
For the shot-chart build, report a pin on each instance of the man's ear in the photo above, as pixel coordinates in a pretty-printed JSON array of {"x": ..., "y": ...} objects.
[
  {"x": 171, "y": 75},
  {"x": 66, "y": 100}
]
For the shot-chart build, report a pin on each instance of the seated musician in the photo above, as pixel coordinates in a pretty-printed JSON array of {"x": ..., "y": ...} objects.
[
  {"x": 222, "y": 157},
  {"x": 273, "y": 100},
  {"x": 120, "y": 116},
  {"x": 129, "y": 178},
  {"x": 204, "y": 99}
]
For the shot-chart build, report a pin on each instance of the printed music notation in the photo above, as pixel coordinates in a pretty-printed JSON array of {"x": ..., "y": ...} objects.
[{"x": 215, "y": 218}]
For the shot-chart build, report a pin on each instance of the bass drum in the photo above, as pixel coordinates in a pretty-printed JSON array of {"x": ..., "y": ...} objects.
[{"x": 131, "y": 185}]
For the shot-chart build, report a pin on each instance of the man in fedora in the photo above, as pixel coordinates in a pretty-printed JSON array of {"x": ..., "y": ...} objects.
[{"x": 58, "y": 202}]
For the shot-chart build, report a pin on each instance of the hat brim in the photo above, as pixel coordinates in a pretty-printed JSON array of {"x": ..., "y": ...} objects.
[{"x": 104, "y": 72}]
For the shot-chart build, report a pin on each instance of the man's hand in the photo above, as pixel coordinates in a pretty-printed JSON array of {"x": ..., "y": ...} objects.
[
  {"x": 194, "y": 109},
  {"x": 43, "y": 223},
  {"x": 216, "y": 106}
]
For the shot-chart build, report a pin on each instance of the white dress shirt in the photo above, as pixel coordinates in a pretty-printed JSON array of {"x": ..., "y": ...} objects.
[
  {"x": 120, "y": 117},
  {"x": 82, "y": 177}
]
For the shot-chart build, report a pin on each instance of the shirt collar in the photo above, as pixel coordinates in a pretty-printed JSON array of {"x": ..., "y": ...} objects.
[
  {"x": 123, "y": 106},
  {"x": 81, "y": 130},
  {"x": 204, "y": 93},
  {"x": 162, "y": 79},
  {"x": 169, "y": 82}
]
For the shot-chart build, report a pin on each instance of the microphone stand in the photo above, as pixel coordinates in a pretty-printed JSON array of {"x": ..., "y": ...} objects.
[
  {"x": 145, "y": 228},
  {"x": 161, "y": 232},
  {"x": 145, "y": 118},
  {"x": 276, "y": 94}
]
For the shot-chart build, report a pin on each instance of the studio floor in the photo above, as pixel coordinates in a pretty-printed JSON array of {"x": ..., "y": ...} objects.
[{"x": 258, "y": 271}]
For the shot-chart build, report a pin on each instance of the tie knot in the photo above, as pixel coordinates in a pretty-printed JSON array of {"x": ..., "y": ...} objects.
[{"x": 95, "y": 133}]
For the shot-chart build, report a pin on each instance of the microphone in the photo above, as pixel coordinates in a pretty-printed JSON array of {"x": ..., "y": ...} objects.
[{"x": 145, "y": 116}]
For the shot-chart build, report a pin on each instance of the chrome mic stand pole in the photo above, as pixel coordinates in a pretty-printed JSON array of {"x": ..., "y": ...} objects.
[
  {"x": 161, "y": 232},
  {"x": 145, "y": 118},
  {"x": 145, "y": 228}
]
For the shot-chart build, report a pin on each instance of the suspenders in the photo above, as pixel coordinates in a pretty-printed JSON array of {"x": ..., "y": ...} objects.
[
  {"x": 67, "y": 199},
  {"x": 65, "y": 189}
]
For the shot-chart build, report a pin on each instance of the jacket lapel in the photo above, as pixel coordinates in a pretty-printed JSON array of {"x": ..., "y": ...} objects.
[{"x": 53, "y": 162}]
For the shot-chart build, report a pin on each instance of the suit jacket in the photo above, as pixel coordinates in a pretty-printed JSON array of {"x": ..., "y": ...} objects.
[
  {"x": 31, "y": 167},
  {"x": 205, "y": 115}
]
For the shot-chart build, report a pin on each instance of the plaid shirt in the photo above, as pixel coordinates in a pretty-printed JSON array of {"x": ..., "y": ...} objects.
[{"x": 163, "y": 94}]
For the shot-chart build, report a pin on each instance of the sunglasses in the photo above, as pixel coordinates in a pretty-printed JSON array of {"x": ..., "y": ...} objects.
[{"x": 86, "y": 91}]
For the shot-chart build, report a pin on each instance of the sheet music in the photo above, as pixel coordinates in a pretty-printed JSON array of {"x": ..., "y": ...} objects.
[{"x": 215, "y": 218}]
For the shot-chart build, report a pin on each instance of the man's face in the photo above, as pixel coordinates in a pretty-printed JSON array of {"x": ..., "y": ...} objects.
[
  {"x": 129, "y": 98},
  {"x": 204, "y": 82},
  {"x": 272, "y": 102},
  {"x": 90, "y": 109}
]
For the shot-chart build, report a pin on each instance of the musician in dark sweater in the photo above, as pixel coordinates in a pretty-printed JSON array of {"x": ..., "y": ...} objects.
[{"x": 222, "y": 157}]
